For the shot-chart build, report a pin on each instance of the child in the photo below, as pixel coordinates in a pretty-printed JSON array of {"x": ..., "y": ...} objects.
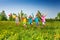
[
  {"x": 36, "y": 20},
  {"x": 43, "y": 19},
  {"x": 30, "y": 20},
  {"x": 17, "y": 20},
  {"x": 24, "y": 21}
]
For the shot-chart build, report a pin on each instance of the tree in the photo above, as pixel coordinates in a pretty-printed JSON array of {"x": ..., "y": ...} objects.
[
  {"x": 25, "y": 15},
  {"x": 0, "y": 16},
  {"x": 22, "y": 13},
  {"x": 55, "y": 17},
  {"x": 3, "y": 16},
  {"x": 58, "y": 15}
]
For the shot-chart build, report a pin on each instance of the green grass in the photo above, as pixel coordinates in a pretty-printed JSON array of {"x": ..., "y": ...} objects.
[{"x": 9, "y": 31}]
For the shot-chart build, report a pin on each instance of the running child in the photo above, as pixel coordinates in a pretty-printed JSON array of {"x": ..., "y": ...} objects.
[
  {"x": 17, "y": 20},
  {"x": 24, "y": 21},
  {"x": 37, "y": 20},
  {"x": 30, "y": 20},
  {"x": 43, "y": 19}
]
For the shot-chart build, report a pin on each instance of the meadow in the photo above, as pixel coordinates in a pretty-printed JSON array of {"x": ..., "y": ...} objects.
[{"x": 9, "y": 31}]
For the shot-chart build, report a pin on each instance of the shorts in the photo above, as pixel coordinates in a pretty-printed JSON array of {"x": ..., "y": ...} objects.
[
  {"x": 30, "y": 23},
  {"x": 37, "y": 23}
]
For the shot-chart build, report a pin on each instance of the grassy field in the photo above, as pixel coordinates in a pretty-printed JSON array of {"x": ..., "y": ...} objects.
[{"x": 9, "y": 31}]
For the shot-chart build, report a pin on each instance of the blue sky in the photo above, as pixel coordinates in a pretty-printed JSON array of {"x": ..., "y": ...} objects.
[{"x": 49, "y": 7}]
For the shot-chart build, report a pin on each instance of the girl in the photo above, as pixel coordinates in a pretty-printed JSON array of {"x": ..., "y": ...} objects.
[
  {"x": 24, "y": 21},
  {"x": 43, "y": 19},
  {"x": 17, "y": 20}
]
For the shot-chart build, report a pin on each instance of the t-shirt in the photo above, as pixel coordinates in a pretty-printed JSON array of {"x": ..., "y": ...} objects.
[
  {"x": 30, "y": 20},
  {"x": 36, "y": 19},
  {"x": 43, "y": 18},
  {"x": 24, "y": 20},
  {"x": 16, "y": 20}
]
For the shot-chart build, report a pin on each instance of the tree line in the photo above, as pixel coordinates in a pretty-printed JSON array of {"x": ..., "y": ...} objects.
[{"x": 3, "y": 16}]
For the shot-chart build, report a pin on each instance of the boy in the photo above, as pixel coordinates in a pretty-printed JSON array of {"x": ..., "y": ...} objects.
[
  {"x": 30, "y": 20},
  {"x": 36, "y": 20}
]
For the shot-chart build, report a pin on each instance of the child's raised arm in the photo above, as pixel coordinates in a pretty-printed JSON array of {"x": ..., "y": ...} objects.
[{"x": 45, "y": 15}]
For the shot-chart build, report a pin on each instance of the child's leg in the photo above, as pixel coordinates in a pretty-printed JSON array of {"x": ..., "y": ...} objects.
[
  {"x": 25, "y": 25},
  {"x": 43, "y": 24},
  {"x": 17, "y": 23},
  {"x": 37, "y": 24},
  {"x": 31, "y": 24}
]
